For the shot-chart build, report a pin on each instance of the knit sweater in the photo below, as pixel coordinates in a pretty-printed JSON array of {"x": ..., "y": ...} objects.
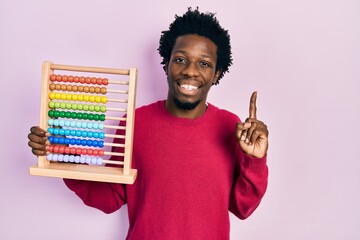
[{"x": 191, "y": 173}]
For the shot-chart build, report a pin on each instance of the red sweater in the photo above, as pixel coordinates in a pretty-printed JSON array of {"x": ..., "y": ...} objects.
[{"x": 191, "y": 173}]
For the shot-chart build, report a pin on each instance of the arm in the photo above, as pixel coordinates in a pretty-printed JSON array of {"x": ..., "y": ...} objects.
[{"x": 251, "y": 174}]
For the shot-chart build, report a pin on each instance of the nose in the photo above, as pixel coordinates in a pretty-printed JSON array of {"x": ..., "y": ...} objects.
[{"x": 190, "y": 70}]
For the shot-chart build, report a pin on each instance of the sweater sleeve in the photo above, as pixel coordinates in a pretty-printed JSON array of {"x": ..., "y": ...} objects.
[
  {"x": 107, "y": 197},
  {"x": 250, "y": 183}
]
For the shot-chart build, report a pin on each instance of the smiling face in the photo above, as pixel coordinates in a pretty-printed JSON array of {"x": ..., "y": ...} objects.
[{"x": 190, "y": 74}]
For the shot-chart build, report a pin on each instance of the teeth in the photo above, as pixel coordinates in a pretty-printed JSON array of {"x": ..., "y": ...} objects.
[{"x": 189, "y": 87}]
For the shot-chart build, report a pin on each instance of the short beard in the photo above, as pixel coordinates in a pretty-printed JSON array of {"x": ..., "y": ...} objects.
[{"x": 186, "y": 105}]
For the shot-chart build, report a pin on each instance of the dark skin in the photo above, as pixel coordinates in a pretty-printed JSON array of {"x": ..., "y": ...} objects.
[{"x": 191, "y": 74}]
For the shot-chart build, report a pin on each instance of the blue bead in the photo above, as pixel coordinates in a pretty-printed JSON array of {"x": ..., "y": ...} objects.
[
  {"x": 93, "y": 160},
  {"x": 49, "y": 157},
  {"x": 82, "y": 160},
  {"x": 89, "y": 125},
  {"x": 61, "y": 140},
  {"x": 56, "y": 122},
  {"x": 66, "y": 141},
  {"x": 56, "y": 140},
  {"x": 96, "y": 134},
  {"x": 89, "y": 143},
  {"x": 71, "y": 158},
  {"x": 77, "y": 159},
  {"x": 101, "y": 126},
  {"x": 101, "y": 144},
  {"x": 78, "y": 133},
  {"x": 84, "y": 134},
  {"x": 90, "y": 134},
  {"x": 66, "y": 158},
  {"x": 78, "y": 141},
  {"x": 51, "y": 130},
  {"x": 95, "y": 143},
  {"x": 73, "y": 124},
  {"x": 56, "y": 131},
  {"x": 73, "y": 133},
  {"x": 102, "y": 135},
  {"x": 55, "y": 157},
  {"x": 61, "y": 123},
  {"x": 67, "y": 123},
  {"x": 88, "y": 160},
  {"x": 78, "y": 124},
  {"x": 51, "y": 139},
  {"x": 67, "y": 132},
  {"x": 99, "y": 161},
  {"x": 62, "y": 132},
  {"x": 60, "y": 158},
  {"x": 83, "y": 124},
  {"x": 83, "y": 142},
  {"x": 72, "y": 141},
  {"x": 51, "y": 122},
  {"x": 95, "y": 125}
]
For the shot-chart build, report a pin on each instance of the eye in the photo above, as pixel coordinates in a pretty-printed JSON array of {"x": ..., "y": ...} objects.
[
  {"x": 179, "y": 60},
  {"x": 204, "y": 64}
]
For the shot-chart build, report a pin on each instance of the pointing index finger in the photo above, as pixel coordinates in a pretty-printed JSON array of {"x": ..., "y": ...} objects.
[{"x": 252, "y": 107}]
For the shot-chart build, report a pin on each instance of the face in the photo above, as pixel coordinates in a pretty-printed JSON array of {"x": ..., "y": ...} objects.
[{"x": 191, "y": 71}]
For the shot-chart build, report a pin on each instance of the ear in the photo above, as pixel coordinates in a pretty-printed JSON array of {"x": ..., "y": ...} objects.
[
  {"x": 165, "y": 67},
  {"x": 216, "y": 77}
]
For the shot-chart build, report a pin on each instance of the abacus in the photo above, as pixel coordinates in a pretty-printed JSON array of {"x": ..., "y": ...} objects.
[{"x": 78, "y": 111}]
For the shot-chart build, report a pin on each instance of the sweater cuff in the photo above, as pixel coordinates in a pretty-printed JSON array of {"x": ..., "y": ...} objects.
[{"x": 254, "y": 164}]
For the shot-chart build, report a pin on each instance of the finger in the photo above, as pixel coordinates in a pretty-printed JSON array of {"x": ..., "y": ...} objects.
[
  {"x": 252, "y": 107},
  {"x": 241, "y": 130},
  {"x": 38, "y": 139},
  {"x": 39, "y": 132},
  {"x": 251, "y": 130},
  {"x": 37, "y": 146},
  {"x": 255, "y": 134}
]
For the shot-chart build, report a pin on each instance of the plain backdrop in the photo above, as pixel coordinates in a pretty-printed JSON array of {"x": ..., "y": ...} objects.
[{"x": 303, "y": 58}]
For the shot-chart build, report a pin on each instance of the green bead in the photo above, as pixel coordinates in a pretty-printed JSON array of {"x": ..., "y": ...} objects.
[
  {"x": 73, "y": 115},
  {"x": 90, "y": 116},
  {"x": 68, "y": 114},
  {"x": 80, "y": 107},
  {"x": 103, "y": 109},
  {"x": 62, "y": 114},
  {"x": 91, "y": 108},
  {"x": 97, "y": 108},
  {"x": 86, "y": 107},
  {"x": 74, "y": 106},
  {"x": 56, "y": 114},
  {"x": 79, "y": 115},
  {"x": 96, "y": 117},
  {"x": 63, "y": 105},
  {"x": 68, "y": 105},
  {"x": 51, "y": 104},
  {"x": 102, "y": 117},
  {"x": 51, "y": 113},
  {"x": 57, "y": 105}
]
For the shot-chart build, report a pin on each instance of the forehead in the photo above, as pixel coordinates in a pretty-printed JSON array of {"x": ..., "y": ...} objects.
[{"x": 195, "y": 44}]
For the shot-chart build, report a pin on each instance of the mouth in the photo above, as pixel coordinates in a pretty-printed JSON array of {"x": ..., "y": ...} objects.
[{"x": 188, "y": 87}]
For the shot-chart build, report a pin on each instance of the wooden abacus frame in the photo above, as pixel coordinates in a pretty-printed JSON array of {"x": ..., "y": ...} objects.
[{"x": 48, "y": 168}]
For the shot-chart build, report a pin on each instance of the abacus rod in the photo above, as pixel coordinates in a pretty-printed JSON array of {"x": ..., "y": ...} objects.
[
  {"x": 117, "y": 91},
  {"x": 115, "y": 118},
  {"x": 114, "y": 144},
  {"x": 118, "y": 82},
  {"x": 113, "y": 162},
  {"x": 118, "y": 100},
  {"x": 114, "y": 154},
  {"x": 116, "y": 109},
  {"x": 115, "y": 127},
  {"x": 115, "y": 136},
  {"x": 90, "y": 69}
]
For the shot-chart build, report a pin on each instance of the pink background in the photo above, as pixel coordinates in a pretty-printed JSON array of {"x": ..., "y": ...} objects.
[{"x": 303, "y": 58}]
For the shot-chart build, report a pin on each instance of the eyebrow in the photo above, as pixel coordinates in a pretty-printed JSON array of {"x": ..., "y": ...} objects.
[{"x": 184, "y": 52}]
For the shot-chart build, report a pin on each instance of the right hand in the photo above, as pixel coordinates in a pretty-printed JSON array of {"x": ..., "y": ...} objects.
[{"x": 38, "y": 141}]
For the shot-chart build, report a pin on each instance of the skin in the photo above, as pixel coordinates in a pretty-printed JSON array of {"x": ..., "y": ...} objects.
[{"x": 192, "y": 63}]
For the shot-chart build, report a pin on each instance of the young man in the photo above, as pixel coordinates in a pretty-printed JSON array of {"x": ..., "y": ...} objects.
[{"x": 195, "y": 161}]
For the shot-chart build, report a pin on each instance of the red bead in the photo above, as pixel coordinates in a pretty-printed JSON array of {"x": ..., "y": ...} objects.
[
  {"x": 72, "y": 150},
  {"x": 81, "y": 80},
  {"x": 61, "y": 149},
  {"x": 101, "y": 153},
  {"x": 84, "y": 151},
  {"x": 105, "y": 81},
  {"x": 56, "y": 149},
  {"x": 70, "y": 79},
  {"x": 90, "y": 151},
  {"x": 99, "y": 81},
  {"x": 64, "y": 78},
  {"x": 58, "y": 78},
  {"x": 78, "y": 151},
  {"x": 88, "y": 80},
  {"x": 67, "y": 150},
  {"x": 96, "y": 152},
  {"x": 93, "y": 80},
  {"x": 76, "y": 79},
  {"x": 52, "y": 77},
  {"x": 51, "y": 148}
]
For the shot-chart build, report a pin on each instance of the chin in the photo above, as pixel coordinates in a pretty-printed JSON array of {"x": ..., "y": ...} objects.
[{"x": 184, "y": 105}]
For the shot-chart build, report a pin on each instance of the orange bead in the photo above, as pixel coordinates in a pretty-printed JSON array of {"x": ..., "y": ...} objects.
[
  {"x": 63, "y": 87},
  {"x": 74, "y": 88},
  {"x": 86, "y": 89},
  {"x": 52, "y": 87},
  {"x": 76, "y": 79},
  {"x": 97, "y": 90},
  {"x": 69, "y": 88},
  {"x": 80, "y": 88},
  {"x": 52, "y": 77},
  {"x": 58, "y": 78},
  {"x": 103, "y": 90},
  {"x": 105, "y": 81},
  {"x": 88, "y": 80},
  {"x": 93, "y": 80},
  {"x": 81, "y": 80},
  {"x": 64, "y": 78},
  {"x": 99, "y": 81},
  {"x": 91, "y": 89},
  {"x": 70, "y": 79},
  {"x": 58, "y": 87}
]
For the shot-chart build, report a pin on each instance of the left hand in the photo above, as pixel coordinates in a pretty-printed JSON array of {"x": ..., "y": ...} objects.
[{"x": 252, "y": 134}]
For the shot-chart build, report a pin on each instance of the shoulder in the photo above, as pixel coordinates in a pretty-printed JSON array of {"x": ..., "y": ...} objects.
[{"x": 223, "y": 114}]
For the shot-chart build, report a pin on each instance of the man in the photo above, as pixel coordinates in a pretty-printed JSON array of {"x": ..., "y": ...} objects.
[{"x": 195, "y": 162}]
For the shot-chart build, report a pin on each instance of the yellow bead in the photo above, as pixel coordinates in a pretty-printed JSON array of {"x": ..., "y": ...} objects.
[
  {"x": 63, "y": 96},
  {"x": 98, "y": 99},
  {"x": 52, "y": 95},
  {"x": 92, "y": 99},
  {"x": 86, "y": 98},
  {"x": 57, "y": 96},
  {"x": 80, "y": 97},
  {"x": 74, "y": 97},
  {"x": 68, "y": 97},
  {"x": 104, "y": 99}
]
